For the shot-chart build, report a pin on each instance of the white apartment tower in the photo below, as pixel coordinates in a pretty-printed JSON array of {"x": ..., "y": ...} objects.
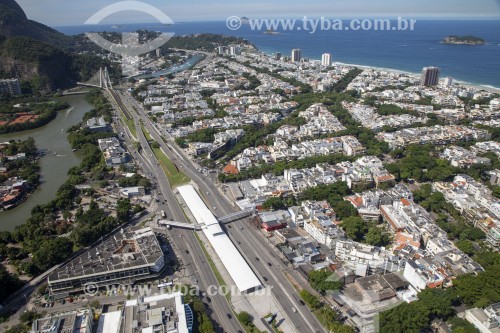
[{"x": 326, "y": 60}]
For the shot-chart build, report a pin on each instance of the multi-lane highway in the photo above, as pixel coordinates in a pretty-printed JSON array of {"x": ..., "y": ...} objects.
[
  {"x": 184, "y": 242},
  {"x": 251, "y": 244}
]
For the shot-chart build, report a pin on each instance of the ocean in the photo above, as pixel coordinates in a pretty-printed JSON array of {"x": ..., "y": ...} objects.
[{"x": 399, "y": 50}]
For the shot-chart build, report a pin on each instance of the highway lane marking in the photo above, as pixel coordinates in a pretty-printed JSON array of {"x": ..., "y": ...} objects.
[
  {"x": 255, "y": 237},
  {"x": 225, "y": 211}
]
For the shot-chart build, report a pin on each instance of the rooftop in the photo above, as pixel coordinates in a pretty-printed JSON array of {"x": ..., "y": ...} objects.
[{"x": 125, "y": 249}]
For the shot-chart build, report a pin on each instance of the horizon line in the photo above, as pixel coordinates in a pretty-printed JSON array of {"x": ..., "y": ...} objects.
[{"x": 476, "y": 18}]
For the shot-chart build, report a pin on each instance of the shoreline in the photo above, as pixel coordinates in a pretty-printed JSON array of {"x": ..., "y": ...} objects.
[
  {"x": 480, "y": 86},
  {"x": 489, "y": 88}
]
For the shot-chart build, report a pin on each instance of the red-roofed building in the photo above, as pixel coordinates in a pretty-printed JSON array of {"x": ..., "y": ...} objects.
[
  {"x": 230, "y": 169},
  {"x": 385, "y": 179},
  {"x": 405, "y": 202}
]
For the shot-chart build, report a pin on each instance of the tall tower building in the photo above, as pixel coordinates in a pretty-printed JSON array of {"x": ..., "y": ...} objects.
[
  {"x": 326, "y": 59},
  {"x": 296, "y": 55},
  {"x": 10, "y": 87},
  {"x": 278, "y": 56},
  {"x": 430, "y": 76},
  {"x": 448, "y": 81}
]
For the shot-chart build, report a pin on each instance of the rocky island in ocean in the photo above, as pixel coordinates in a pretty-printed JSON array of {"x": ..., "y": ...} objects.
[{"x": 463, "y": 40}]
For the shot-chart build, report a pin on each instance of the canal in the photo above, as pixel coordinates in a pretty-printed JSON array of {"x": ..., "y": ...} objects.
[
  {"x": 174, "y": 69},
  {"x": 59, "y": 158}
]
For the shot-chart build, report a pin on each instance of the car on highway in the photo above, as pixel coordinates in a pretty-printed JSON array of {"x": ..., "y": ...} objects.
[
  {"x": 187, "y": 251},
  {"x": 264, "y": 278},
  {"x": 209, "y": 300},
  {"x": 229, "y": 316},
  {"x": 269, "y": 264},
  {"x": 257, "y": 258},
  {"x": 301, "y": 302}
]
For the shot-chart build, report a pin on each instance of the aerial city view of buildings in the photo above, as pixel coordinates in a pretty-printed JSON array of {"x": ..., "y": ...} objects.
[{"x": 249, "y": 192}]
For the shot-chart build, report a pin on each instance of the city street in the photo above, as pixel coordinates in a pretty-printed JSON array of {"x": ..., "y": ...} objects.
[
  {"x": 194, "y": 262},
  {"x": 251, "y": 243}
]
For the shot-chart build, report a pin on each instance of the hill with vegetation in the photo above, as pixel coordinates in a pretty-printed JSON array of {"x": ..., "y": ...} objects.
[
  {"x": 16, "y": 23},
  {"x": 41, "y": 57},
  {"x": 42, "y": 67}
]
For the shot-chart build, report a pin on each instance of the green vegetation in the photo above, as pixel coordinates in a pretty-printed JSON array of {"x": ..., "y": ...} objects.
[
  {"x": 472, "y": 291},
  {"x": 79, "y": 137},
  {"x": 202, "y": 322},
  {"x": 459, "y": 325},
  {"x": 325, "y": 314},
  {"x": 276, "y": 203},
  {"x": 377, "y": 237},
  {"x": 304, "y": 88},
  {"x": 40, "y": 235},
  {"x": 469, "y": 40},
  {"x": 52, "y": 68},
  {"x": 42, "y": 111},
  {"x": 333, "y": 101},
  {"x": 131, "y": 126},
  {"x": 204, "y": 135},
  {"x": 279, "y": 167},
  {"x": 135, "y": 180},
  {"x": 417, "y": 316},
  {"x": 256, "y": 135},
  {"x": 25, "y": 168},
  {"x": 175, "y": 176},
  {"x": 449, "y": 219},
  {"x": 254, "y": 81},
  {"x": 246, "y": 320},
  {"x": 342, "y": 84},
  {"x": 95, "y": 222},
  {"x": 355, "y": 228},
  {"x": 204, "y": 42},
  {"x": 146, "y": 134},
  {"x": 26, "y": 319},
  {"x": 324, "y": 281},
  {"x": 334, "y": 194},
  {"x": 50, "y": 252},
  {"x": 9, "y": 282},
  {"x": 421, "y": 163},
  {"x": 481, "y": 290}
]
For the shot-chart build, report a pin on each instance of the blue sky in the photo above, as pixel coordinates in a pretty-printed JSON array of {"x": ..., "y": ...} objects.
[{"x": 76, "y": 12}]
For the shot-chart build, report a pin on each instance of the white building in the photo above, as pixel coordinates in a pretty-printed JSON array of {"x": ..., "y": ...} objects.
[
  {"x": 487, "y": 320},
  {"x": 323, "y": 231},
  {"x": 326, "y": 59}
]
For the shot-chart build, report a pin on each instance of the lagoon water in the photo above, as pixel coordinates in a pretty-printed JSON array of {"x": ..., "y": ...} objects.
[{"x": 54, "y": 165}]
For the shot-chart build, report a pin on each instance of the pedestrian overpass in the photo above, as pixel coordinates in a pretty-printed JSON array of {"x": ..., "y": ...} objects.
[
  {"x": 183, "y": 225},
  {"x": 236, "y": 216},
  {"x": 223, "y": 220}
]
